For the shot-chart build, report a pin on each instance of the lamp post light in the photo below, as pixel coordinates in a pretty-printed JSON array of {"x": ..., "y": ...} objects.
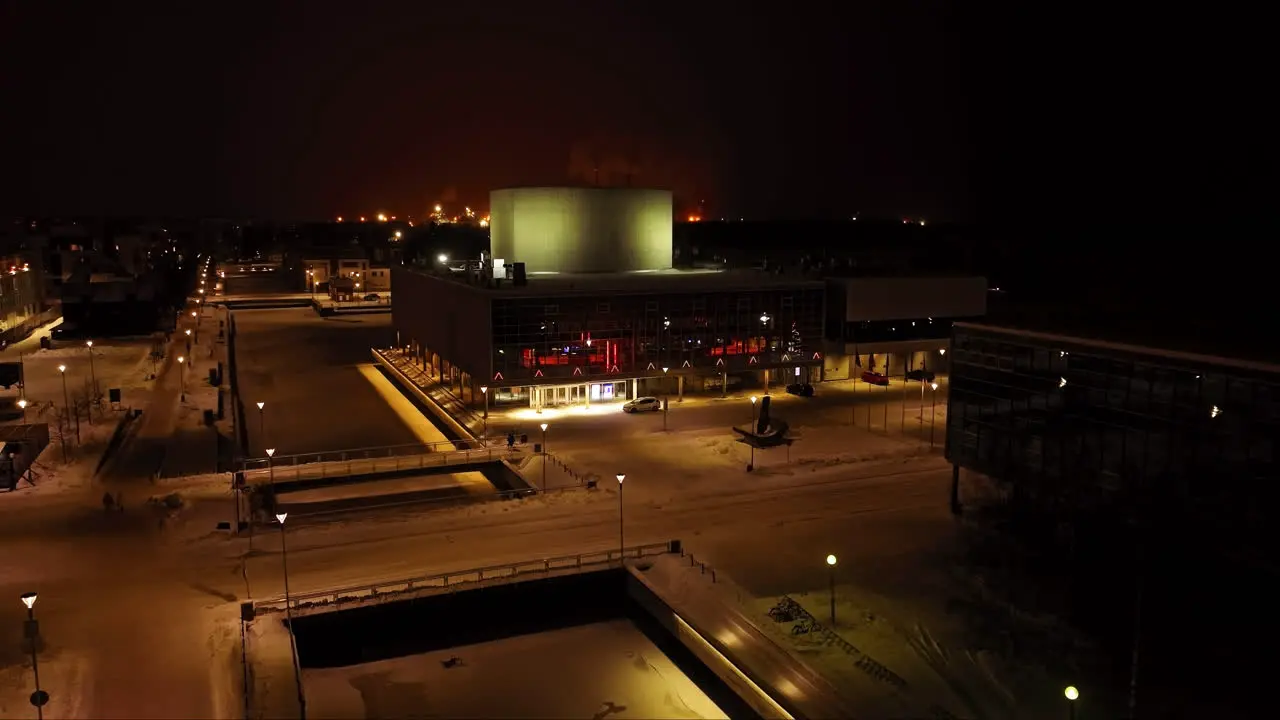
[
  {"x": 933, "y": 404},
  {"x": 262, "y": 421},
  {"x": 622, "y": 545},
  {"x": 23, "y": 404},
  {"x": 93, "y": 379},
  {"x": 544, "y": 457},
  {"x": 288, "y": 613},
  {"x": 1072, "y": 695},
  {"x": 831, "y": 568},
  {"x": 66, "y": 405},
  {"x": 665, "y": 404},
  {"x": 754, "y": 399},
  {"x": 271, "y": 472},
  {"x": 39, "y": 698},
  {"x": 484, "y": 390},
  {"x": 182, "y": 372}
]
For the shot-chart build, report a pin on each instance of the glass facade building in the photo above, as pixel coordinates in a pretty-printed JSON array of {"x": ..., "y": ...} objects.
[
  {"x": 596, "y": 336},
  {"x": 1069, "y": 416}
]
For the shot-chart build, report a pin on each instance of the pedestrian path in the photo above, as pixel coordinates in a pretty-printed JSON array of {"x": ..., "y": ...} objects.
[{"x": 171, "y": 438}]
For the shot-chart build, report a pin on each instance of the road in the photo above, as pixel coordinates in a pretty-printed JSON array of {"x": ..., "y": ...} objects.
[
  {"x": 308, "y": 371},
  {"x": 149, "y": 613}
]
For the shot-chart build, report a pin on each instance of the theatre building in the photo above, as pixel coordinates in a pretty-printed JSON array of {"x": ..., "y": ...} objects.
[{"x": 578, "y": 303}]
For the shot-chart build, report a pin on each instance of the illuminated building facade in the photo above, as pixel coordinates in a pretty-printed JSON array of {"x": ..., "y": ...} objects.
[{"x": 1101, "y": 423}]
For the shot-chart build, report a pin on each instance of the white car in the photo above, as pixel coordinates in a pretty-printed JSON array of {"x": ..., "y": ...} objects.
[{"x": 641, "y": 404}]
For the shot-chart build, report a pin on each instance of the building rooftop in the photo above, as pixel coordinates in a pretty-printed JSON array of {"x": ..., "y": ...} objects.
[
  {"x": 1114, "y": 346},
  {"x": 645, "y": 281}
]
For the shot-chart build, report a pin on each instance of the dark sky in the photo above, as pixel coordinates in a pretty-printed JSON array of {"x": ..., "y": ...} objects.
[{"x": 312, "y": 109}]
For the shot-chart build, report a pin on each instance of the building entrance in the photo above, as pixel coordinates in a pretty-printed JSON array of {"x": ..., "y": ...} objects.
[{"x": 549, "y": 396}]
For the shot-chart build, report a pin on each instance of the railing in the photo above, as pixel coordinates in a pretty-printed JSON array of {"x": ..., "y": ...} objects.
[
  {"x": 451, "y": 580},
  {"x": 373, "y": 453},
  {"x": 311, "y": 467},
  {"x": 450, "y": 403}
]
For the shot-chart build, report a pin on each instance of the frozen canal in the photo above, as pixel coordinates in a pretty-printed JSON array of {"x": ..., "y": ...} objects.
[
  {"x": 601, "y": 670},
  {"x": 320, "y": 389}
]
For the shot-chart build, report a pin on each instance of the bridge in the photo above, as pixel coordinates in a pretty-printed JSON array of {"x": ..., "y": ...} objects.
[{"x": 425, "y": 457}]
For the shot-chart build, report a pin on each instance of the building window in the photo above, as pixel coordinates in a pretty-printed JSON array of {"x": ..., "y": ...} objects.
[{"x": 602, "y": 308}]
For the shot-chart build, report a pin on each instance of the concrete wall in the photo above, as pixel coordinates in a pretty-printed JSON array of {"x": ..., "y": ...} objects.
[
  {"x": 449, "y": 318},
  {"x": 911, "y": 298},
  {"x": 582, "y": 229}
]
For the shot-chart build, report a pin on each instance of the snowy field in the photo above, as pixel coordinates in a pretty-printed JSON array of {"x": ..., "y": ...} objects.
[{"x": 607, "y": 669}]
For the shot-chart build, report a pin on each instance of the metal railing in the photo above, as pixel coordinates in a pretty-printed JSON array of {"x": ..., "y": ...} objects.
[
  {"x": 450, "y": 403},
  {"x": 451, "y": 580},
  {"x": 314, "y": 467},
  {"x": 370, "y": 453}
]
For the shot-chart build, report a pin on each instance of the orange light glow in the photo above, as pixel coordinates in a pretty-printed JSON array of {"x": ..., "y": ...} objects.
[
  {"x": 339, "y": 218},
  {"x": 695, "y": 218}
]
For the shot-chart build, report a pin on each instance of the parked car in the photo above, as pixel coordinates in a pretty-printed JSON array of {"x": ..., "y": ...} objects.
[
  {"x": 801, "y": 389},
  {"x": 874, "y": 378},
  {"x": 372, "y": 297},
  {"x": 641, "y": 404},
  {"x": 920, "y": 375}
]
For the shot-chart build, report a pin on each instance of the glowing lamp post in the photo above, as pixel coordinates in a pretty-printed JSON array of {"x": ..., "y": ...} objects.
[
  {"x": 182, "y": 371},
  {"x": 23, "y": 404},
  {"x": 66, "y": 405},
  {"x": 262, "y": 421},
  {"x": 754, "y": 399},
  {"x": 1072, "y": 695},
  {"x": 831, "y": 578},
  {"x": 665, "y": 404},
  {"x": 39, "y": 698},
  {"x": 484, "y": 390},
  {"x": 93, "y": 378},
  {"x": 933, "y": 404},
  {"x": 544, "y": 457},
  {"x": 271, "y": 473},
  {"x": 288, "y": 613},
  {"x": 622, "y": 545}
]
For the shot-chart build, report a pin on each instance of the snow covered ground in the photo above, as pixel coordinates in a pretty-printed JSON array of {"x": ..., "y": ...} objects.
[{"x": 607, "y": 669}]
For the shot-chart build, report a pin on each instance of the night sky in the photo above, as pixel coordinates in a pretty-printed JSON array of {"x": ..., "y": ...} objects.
[{"x": 302, "y": 110}]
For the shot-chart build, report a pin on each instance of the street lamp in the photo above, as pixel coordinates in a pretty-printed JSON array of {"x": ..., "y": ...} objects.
[
  {"x": 23, "y": 404},
  {"x": 665, "y": 404},
  {"x": 544, "y": 457},
  {"x": 262, "y": 421},
  {"x": 1072, "y": 695},
  {"x": 93, "y": 378},
  {"x": 933, "y": 404},
  {"x": 66, "y": 406},
  {"x": 182, "y": 372},
  {"x": 753, "y": 412},
  {"x": 831, "y": 567},
  {"x": 39, "y": 698},
  {"x": 288, "y": 613},
  {"x": 622, "y": 545},
  {"x": 271, "y": 473},
  {"x": 484, "y": 390}
]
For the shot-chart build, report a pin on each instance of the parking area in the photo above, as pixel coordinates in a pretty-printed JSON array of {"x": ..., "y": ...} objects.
[{"x": 317, "y": 382}]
